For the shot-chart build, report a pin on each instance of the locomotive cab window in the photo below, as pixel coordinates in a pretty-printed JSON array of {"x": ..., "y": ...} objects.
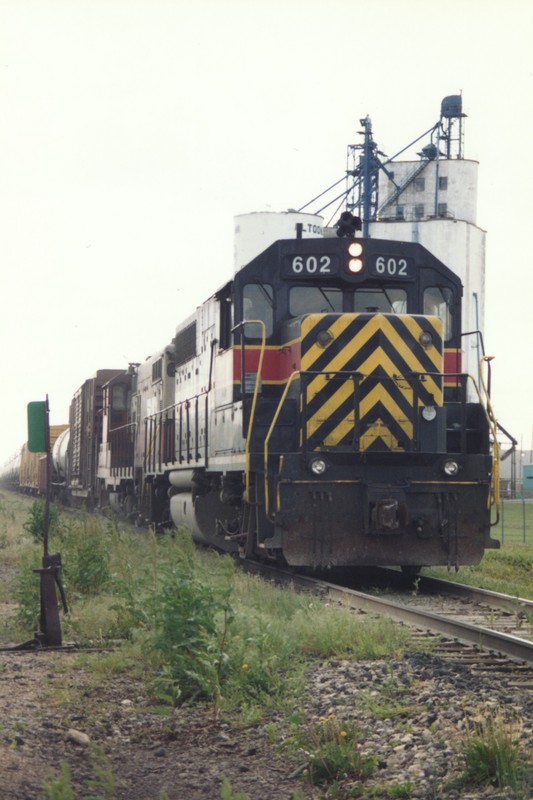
[
  {"x": 258, "y": 303},
  {"x": 438, "y": 301},
  {"x": 380, "y": 299},
  {"x": 225, "y": 307},
  {"x": 314, "y": 299}
]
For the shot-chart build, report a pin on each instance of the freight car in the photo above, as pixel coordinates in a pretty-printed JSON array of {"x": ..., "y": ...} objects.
[
  {"x": 27, "y": 471},
  {"x": 10, "y": 472},
  {"x": 85, "y": 437},
  {"x": 74, "y": 447},
  {"x": 312, "y": 411}
]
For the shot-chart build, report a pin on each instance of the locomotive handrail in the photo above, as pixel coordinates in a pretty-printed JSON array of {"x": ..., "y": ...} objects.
[
  {"x": 412, "y": 378},
  {"x": 356, "y": 376},
  {"x": 120, "y": 447},
  {"x": 153, "y": 427},
  {"x": 492, "y": 423},
  {"x": 347, "y": 375},
  {"x": 254, "y": 398},
  {"x": 122, "y": 427},
  {"x": 283, "y": 397},
  {"x": 487, "y": 406},
  {"x": 494, "y": 428}
]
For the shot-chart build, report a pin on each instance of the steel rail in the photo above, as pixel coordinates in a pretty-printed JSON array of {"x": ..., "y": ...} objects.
[
  {"x": 508, "y": 602},
  {"x": 511, "y": 646},
  {"x": 498, "y": 600}
]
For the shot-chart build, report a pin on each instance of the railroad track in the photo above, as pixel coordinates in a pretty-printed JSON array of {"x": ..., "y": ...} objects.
[{"x": 491, "y": 633}]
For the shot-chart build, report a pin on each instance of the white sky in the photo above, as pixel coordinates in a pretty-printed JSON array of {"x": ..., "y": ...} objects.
[{"x": 132, "y": 131}]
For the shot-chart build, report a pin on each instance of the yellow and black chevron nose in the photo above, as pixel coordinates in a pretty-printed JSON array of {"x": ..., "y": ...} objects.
[{"x": 366, "y": 376}]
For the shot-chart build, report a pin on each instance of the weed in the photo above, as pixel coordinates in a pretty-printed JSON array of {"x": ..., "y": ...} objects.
[
  {"x": 59, "y": 788},
  {"x": 387, "y": 703},
  {"x": 391, "y": 791},
  {"x": 85, "y": 547},
  {"x": 335, "y": 632},
  {"x": 186, "y": 638},
  {"x": 27, "y": 591},
  {"x": 35, "y": 523},
  {"x": 332, "y": 749},
  {"x": 400, "y": 790},
  {"x": 227, "y": 793},
  {"x": 383, "y": 707},
  {"x": 493, "y": 756},
  {"x": 103, "y": 781}
]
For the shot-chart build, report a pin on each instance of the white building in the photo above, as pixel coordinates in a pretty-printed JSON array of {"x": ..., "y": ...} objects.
[{"x": 434, "y": 202}]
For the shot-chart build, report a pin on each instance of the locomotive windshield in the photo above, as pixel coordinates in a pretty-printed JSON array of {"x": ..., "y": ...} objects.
[
  {"x": 314, "y": 299},
  {"x": 327, "y": 299},
  {"x": 381, "y": 299}
]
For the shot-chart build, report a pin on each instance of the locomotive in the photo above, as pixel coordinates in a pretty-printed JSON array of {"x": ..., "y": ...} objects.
[{"x": 311, "y": 412}]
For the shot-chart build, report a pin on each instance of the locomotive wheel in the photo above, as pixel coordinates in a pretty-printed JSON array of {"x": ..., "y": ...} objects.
[{"x": 129, "y": 506}]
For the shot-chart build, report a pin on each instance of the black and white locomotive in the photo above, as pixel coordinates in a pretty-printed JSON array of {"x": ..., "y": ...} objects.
[{"x": 312, "y": 411}]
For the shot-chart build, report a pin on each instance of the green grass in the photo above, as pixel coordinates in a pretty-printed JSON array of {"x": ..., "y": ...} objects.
[
  {"x": 332, "y": 749},
  {"x": 192, "y": 627},
  {"x": 509, "y": 570},
  {"x": 199, "y": 627},
  {"x": 14, "y": 539},
  {"x": 516, "y": 522},
  {"x": 493, "y": 757}
]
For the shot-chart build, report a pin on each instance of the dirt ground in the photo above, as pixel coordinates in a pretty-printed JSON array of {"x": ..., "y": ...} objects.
[
  {"x": 48, "y": 708},
  {"x": 116, "y": 742},
  {"x": 118, "y": 746},
  {"x": 55, "y": 711}
]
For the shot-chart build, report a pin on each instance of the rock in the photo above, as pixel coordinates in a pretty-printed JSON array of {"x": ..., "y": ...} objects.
[{"x": 78, "y": 737}]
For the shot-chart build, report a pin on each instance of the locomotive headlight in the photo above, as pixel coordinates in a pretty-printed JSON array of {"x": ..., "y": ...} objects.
[
  {"x": 425, "y": 339},
  {"x": 318, "y": 466},
  {"x": 355, "y": 263},
  {"x": 355, "y": 249},
  {"x": 450, "y": 468},
  {"x": 324, "y": 338},
  {"x": 429, "y": 413}
]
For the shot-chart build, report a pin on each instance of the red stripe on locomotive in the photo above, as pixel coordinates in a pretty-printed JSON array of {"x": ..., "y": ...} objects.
[
  {"x": 452, "y": 365},
  {"x": 280, "y": 362}
]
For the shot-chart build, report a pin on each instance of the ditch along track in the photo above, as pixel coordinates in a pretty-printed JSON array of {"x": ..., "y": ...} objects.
[{"x": 489, "y": 632}]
